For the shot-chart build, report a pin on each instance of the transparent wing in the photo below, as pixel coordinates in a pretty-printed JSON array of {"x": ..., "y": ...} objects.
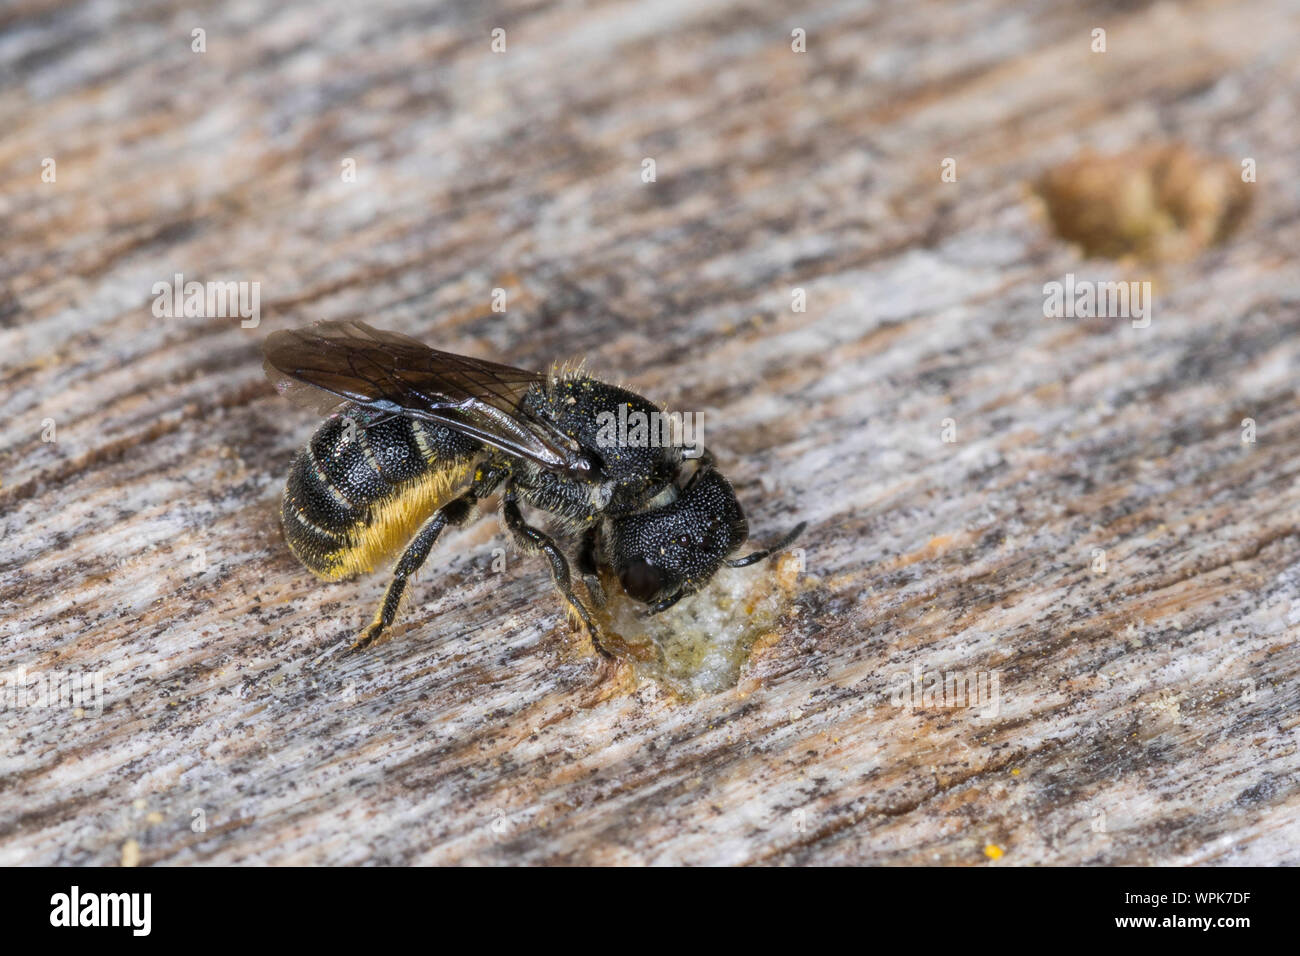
[{"x": 330, "y": 362}]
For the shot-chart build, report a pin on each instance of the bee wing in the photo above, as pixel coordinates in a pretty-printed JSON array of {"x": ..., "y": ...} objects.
[{"x": 332, "y": 362}]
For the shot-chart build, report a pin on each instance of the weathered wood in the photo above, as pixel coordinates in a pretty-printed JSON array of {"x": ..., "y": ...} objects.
[{"x": 1146, "y": 712}]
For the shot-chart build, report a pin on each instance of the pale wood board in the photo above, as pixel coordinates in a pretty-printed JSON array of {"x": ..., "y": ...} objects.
[{"x": 1147, "y": 714}]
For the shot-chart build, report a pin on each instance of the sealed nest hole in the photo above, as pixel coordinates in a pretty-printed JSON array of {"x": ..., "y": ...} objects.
[
  {"x": 1159, "y": 203},
  {"x": 702, "y": 644}
]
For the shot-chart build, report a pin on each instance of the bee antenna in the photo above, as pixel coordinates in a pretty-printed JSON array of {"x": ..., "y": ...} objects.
[{"x": 757, "y": 556}]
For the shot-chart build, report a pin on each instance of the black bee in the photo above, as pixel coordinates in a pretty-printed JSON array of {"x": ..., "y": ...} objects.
[{"x": 419, "y": 436}]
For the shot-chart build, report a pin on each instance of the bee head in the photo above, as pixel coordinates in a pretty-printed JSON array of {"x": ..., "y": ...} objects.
[{"x": 662, "y": 552}]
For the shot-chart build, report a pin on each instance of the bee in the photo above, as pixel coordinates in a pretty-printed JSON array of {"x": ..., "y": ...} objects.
[{"x": 418, "y": 437}]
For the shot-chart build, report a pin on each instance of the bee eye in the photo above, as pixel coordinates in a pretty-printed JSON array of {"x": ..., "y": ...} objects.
[{"x": 641, "y": 580}]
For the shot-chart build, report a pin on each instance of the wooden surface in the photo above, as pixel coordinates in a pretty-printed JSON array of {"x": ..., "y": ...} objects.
[{"x": 1146, "y": 713}]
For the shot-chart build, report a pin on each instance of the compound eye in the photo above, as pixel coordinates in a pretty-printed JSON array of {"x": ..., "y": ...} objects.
[{"x": 641, "y": 580}]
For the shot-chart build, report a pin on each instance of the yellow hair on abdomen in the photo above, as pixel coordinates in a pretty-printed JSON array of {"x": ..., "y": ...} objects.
[{"x": 394, "y": 520}]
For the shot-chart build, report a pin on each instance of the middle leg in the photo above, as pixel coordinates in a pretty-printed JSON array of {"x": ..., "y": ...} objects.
[{"x": 531, "y": 540}]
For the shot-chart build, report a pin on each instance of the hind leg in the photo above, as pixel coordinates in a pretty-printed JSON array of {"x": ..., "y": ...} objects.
[{"x": 455, "y": 512}]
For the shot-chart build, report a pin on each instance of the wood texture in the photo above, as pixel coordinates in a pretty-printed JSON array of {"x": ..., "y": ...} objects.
[{"x": 1146, "y": 713}]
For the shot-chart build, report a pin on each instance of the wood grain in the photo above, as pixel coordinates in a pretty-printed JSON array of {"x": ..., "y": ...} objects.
[{"x": 1146, "y": 713}]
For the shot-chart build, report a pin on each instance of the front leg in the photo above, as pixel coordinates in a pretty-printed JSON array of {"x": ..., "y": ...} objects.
[
  {"x": 666, "y": 603},
  {"x": 587, "y": 566},
  {"x": 530, "y": 540}
]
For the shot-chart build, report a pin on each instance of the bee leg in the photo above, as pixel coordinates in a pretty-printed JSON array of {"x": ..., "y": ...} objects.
[
  {"x": 530, "y": 540},
  {"x": 666, "y": 603},
  {"x": 455, "y": 512},
  {"x": 587, "y": 567}
]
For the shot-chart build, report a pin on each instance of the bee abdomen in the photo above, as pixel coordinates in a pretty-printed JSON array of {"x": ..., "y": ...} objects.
[{"x": 355, "y": 493}]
